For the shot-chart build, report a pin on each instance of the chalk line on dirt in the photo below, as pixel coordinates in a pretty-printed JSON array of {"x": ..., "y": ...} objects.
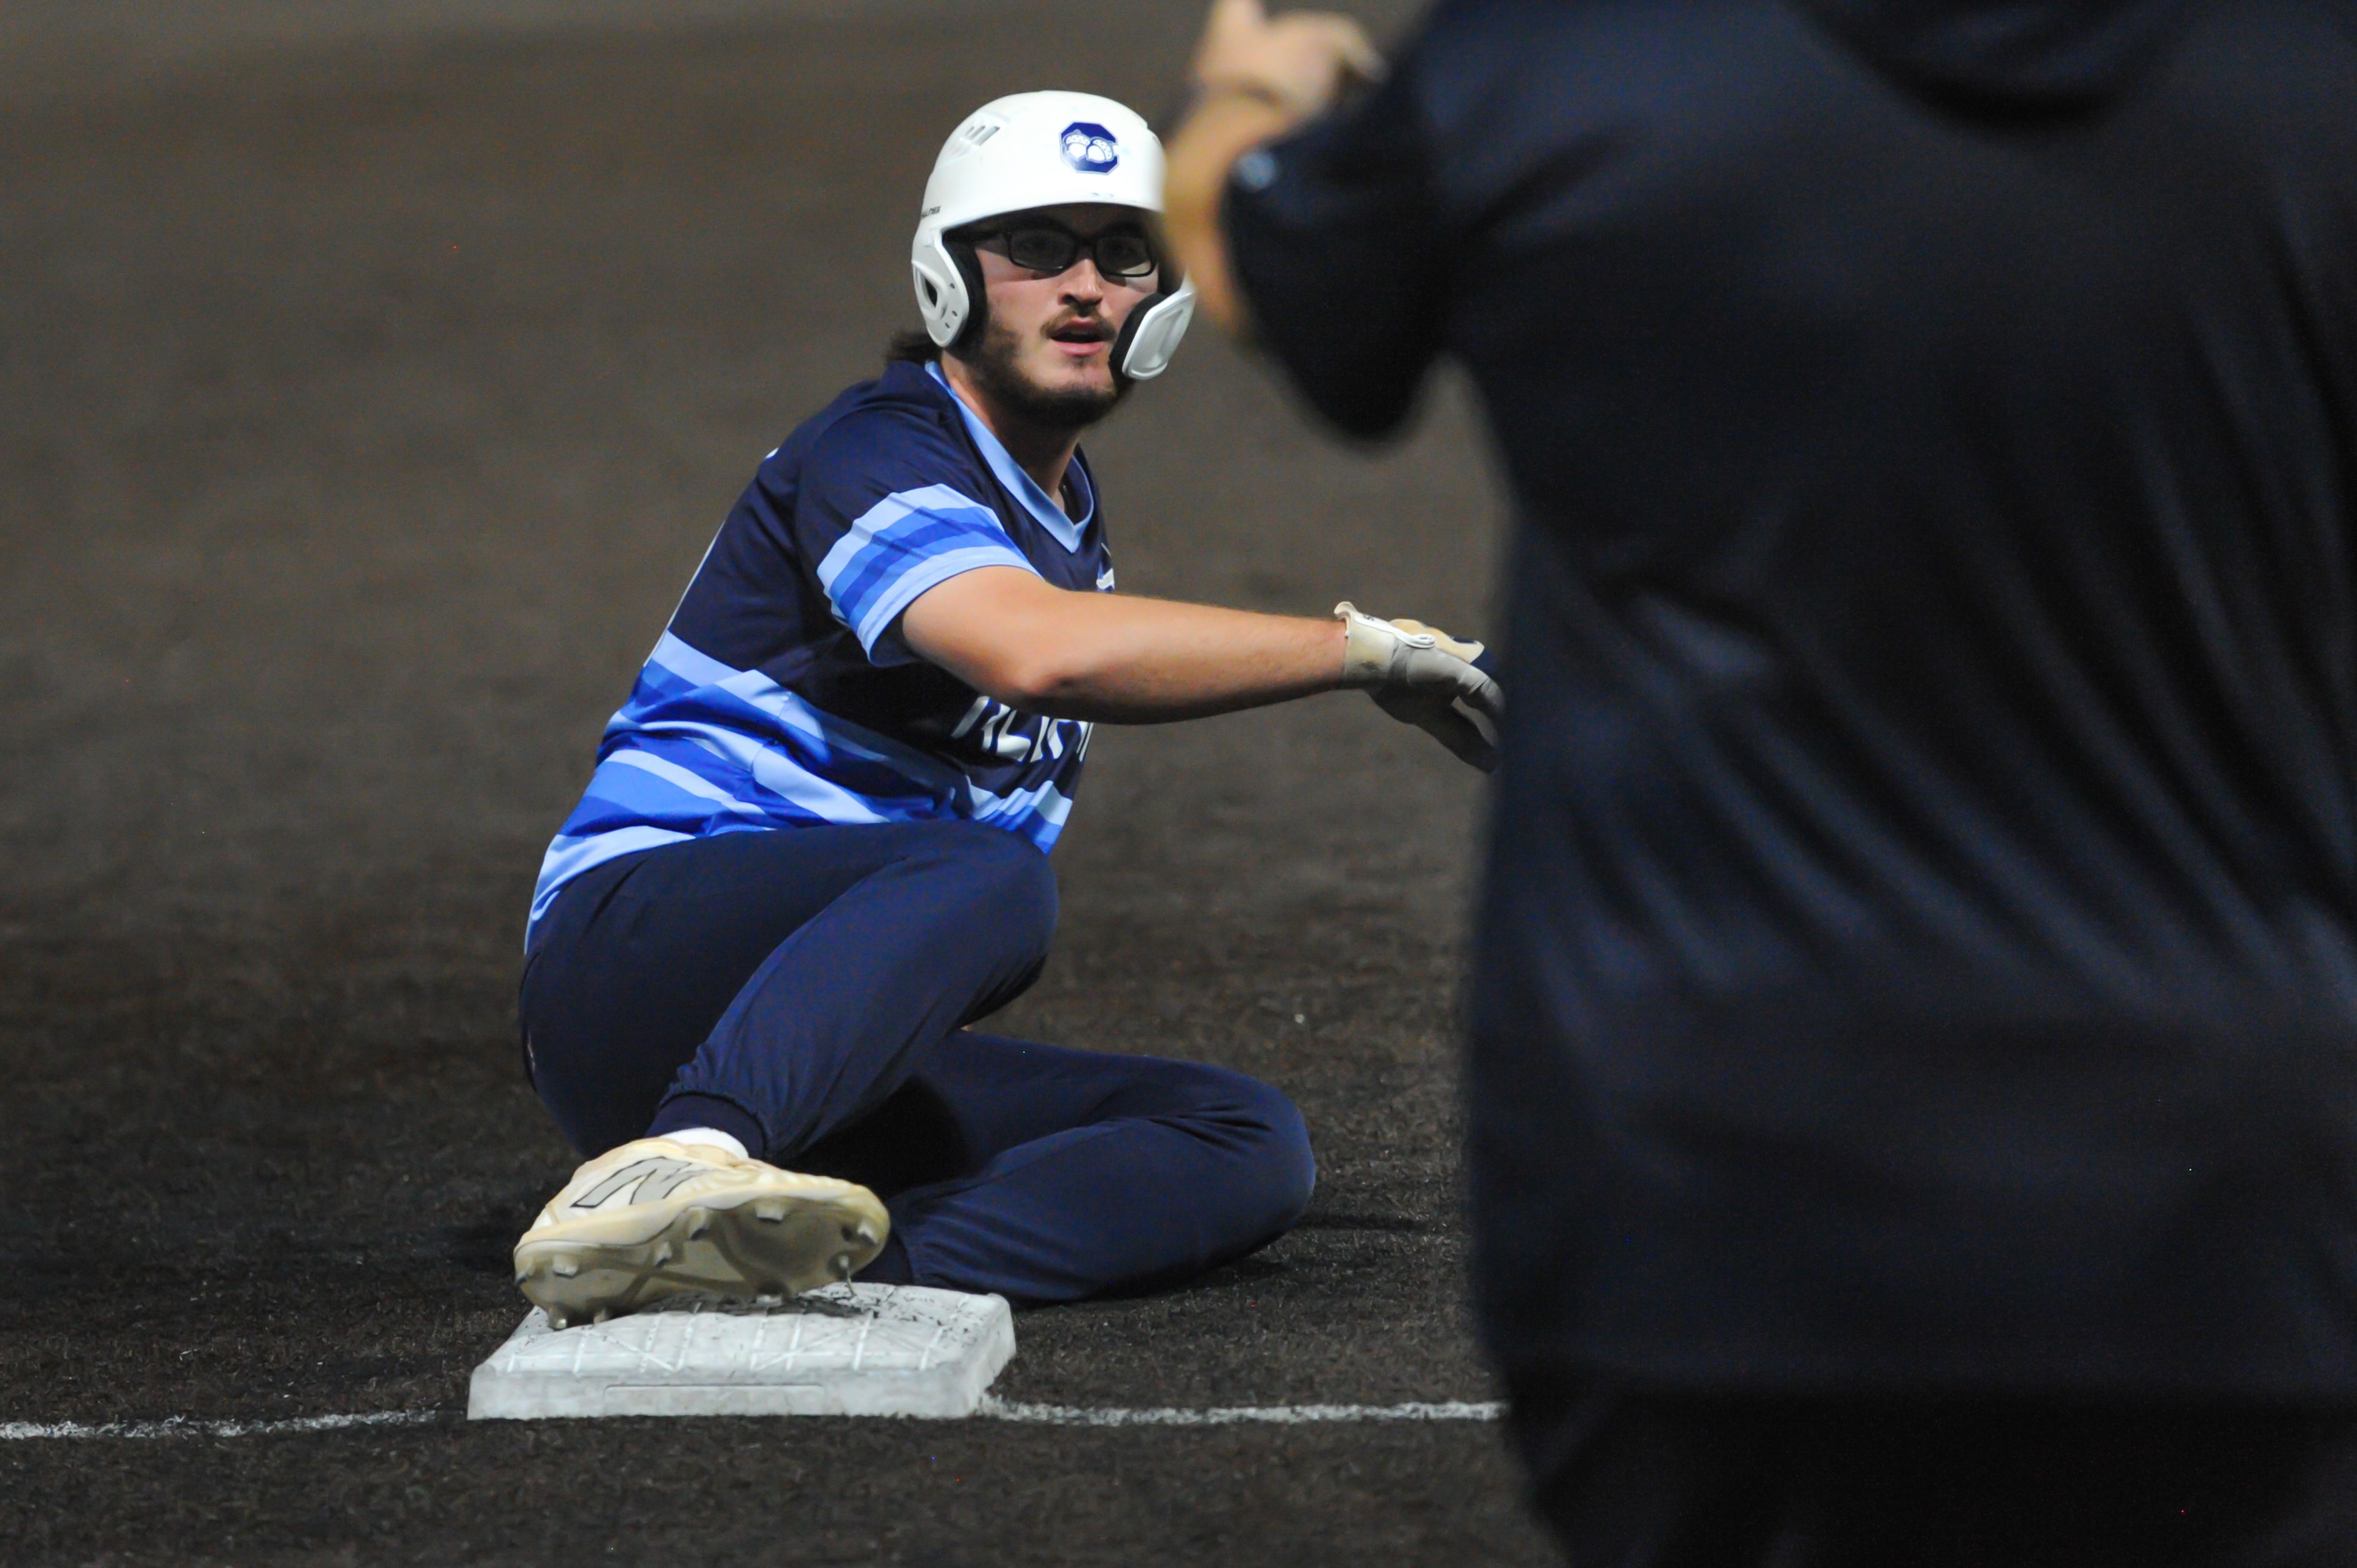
[
  {"x": 184, "y": 1427},
  {"x": 991, "y": 1409},
  {"x": 1232, "y": 1415}
]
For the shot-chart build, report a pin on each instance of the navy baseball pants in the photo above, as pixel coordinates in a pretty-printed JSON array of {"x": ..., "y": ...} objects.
[{"x": 805, "y": 989}]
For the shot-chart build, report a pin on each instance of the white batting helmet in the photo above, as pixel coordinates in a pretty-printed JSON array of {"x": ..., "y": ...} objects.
[{"x": 1042, "y": 149}]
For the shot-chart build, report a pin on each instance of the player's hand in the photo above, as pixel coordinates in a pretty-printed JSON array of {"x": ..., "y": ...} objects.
[
  {"x": 1301, "y": 61},
  {"x": 1419, "y": 675}
]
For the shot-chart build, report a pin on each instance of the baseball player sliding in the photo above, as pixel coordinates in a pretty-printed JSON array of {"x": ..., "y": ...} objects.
[{"x": 815, "y": 848}]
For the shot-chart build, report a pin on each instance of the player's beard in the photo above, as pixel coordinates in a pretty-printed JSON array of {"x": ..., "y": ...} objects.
[{"x": 994, "y": 367}]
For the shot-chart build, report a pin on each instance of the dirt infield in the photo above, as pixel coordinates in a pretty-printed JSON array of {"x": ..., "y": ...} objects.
[{"x": 363, "y": 407}]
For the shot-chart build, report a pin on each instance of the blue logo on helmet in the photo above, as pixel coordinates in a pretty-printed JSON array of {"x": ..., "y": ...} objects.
[{"x": 1090, "y": 147}]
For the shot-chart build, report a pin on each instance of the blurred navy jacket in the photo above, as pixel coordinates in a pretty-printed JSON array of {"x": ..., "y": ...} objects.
[{"x": 1920, "y": 942}]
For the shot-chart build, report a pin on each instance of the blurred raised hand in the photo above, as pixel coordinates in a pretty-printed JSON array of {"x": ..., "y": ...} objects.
[{"x": 1301, "y": 61}]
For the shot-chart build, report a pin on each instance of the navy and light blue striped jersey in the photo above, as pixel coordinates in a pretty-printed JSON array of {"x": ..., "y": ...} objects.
[{"x": 781, "y": 695}]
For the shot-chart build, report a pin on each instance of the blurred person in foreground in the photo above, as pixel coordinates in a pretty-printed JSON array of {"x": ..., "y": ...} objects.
[
  {"x": 815, "y": 845},
  {"x": 1914, "y": 1073}
]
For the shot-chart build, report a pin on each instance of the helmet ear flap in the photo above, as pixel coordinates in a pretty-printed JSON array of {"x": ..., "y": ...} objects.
[
  {"x": 968, "y": 268},
  {"x": 949, "y": 287},
  {"x": 1151, "y": 334}
]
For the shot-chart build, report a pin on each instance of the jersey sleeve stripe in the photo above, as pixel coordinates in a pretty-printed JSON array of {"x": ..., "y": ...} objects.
[
  {"x": 874, "y": 575},
  {"x": 930, "y": 573},
  {"x": 904, "y": 543}
]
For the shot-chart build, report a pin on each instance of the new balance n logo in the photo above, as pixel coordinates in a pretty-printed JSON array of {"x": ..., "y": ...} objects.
[{"x": 655, "y": 1176}]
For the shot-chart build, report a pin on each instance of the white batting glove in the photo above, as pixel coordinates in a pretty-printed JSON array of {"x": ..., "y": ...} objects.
[{"x": 1419, "y": 675}]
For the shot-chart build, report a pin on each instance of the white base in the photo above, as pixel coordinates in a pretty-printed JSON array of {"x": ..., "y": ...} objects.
[{"x": 846, "y": 1349}]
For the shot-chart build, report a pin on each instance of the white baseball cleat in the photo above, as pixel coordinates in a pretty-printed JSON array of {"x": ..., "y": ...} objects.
[{"x": 656, "y": 1219}]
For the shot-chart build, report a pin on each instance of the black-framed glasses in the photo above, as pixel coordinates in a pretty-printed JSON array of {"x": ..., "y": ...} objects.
[{"x": 1042, "y": 247}]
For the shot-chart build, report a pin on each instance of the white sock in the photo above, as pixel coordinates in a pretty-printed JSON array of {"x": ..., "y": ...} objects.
[{"x": 711, "y": 1137}]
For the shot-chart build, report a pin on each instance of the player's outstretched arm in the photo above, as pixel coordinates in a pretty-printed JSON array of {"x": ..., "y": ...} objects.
[
  {"x": 1115, "y": 658},
  {"x": 1122, "y": 659}
]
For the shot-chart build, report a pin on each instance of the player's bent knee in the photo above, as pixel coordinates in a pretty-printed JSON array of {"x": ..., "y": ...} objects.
[
  {"x": 1292, "y": 1167},
  {"x": 1270, "y": 1135}
]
